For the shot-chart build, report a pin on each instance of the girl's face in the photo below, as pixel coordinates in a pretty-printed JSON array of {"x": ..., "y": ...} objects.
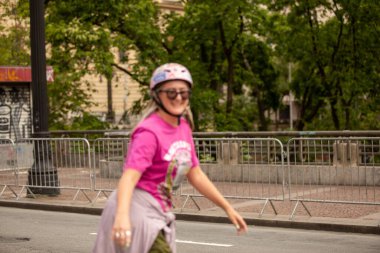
[{"x": 175, "y": 96}]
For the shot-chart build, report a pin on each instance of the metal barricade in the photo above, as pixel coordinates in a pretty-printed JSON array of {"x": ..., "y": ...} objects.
[
  {"x": 334, "y": 170},
  {"x": 8, "y": 166},
  {"x": 108, "y": 159},
  {"x": 241, "y": 168},
  {"x": 54, "y": 163}
]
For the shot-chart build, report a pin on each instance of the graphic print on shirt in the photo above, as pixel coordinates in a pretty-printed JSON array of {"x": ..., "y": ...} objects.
[{"x": 179, "y": 158}]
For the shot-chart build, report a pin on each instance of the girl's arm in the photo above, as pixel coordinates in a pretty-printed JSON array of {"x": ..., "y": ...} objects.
[
  {"x": 121, "y": 231},
  {"x": 203, "y": 184}
]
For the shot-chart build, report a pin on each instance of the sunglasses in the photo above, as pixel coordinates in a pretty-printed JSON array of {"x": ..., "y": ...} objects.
[{"x": 173, "y": 93}]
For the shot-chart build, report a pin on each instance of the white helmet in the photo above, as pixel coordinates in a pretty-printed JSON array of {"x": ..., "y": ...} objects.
[{"x": 170, "y": 71}]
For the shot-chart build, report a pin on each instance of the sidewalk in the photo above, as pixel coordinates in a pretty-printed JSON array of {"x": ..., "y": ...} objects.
[{"x": 326, "y": 217}]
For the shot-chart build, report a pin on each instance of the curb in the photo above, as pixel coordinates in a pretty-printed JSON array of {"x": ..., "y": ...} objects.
[
  {"x": 53, "y": 207},
  {"x": 295, "y": 224},
  {"x": 321, "y": 226}
]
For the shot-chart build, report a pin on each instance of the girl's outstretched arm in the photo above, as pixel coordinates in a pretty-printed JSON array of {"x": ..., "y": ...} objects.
[{"x": 203, "y": 184}]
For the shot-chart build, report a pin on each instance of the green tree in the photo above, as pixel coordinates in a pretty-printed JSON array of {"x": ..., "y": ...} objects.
[
  {"x": 261, "y": 76},
  {"x": 207, "y": 39},
  {"x": 213, "y": 37},
  {"x": 14, "y": 39},
  {"x": 66, "y": 95},
  {"x": 230, "y": 47},
  {"x": 333, "y": 45},
  {"x": 84, "y": 36}
]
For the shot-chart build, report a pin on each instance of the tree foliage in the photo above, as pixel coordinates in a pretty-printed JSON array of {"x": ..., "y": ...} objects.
[
  {"x": 334, "y": 45},
  {"x": 237, "y": 51},
  {"x": 14, "y": 39},
  {"x": 83, "y": 36},
  {"x": 218, "y": 38}
]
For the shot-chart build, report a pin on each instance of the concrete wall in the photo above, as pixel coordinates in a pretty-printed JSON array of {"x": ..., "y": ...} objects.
[
  {"x": 335, "y": 175},
  {"x": 299, "y": 174}
]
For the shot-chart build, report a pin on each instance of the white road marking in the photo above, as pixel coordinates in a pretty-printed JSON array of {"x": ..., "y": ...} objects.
[
  {"x": 199, "y": 243},
  {"x": 205, "y": 243}
]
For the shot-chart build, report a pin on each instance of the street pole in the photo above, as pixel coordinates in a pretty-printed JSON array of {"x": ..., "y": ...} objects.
[{"x": 43, "y": 175}]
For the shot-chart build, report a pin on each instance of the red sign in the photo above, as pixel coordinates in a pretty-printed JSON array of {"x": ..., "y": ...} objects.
[{"x": 22, "y": 74}]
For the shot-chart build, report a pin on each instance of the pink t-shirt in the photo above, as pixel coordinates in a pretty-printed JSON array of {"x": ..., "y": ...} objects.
[{"x": 163, "y": 154}]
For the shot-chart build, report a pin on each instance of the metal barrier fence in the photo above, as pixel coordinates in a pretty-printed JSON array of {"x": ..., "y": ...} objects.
[
  {"x": 108, "y": 158},
  {"x": 47, "y": 165},
  {"x": 241, "y": 168},
  {"x": 8, "y": 168},
  {"x": 326, "y": 170},
  {"x": 334, "y": 170}
]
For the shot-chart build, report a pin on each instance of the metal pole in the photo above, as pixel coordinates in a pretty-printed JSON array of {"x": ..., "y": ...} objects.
[
  {"x": 42, "y": 173},
  {"x": 38, "y": 58}
]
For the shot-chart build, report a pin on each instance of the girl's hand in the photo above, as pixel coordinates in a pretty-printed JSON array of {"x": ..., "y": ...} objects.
[
  {"x": 122, "y": 231},
  {"x": 238, "y": 221}
]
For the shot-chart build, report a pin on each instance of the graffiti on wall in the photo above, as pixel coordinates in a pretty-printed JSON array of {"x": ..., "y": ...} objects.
[{"x": 15, "y": 112}]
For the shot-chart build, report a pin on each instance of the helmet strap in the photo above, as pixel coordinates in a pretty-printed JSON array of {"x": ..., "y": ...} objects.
[{"x": 161, "y": 105}]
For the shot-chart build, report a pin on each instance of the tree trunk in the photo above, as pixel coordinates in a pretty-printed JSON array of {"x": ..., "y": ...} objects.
[
  {"x": 110, "y": 113},
  {"x": 334, "y": 113},
  {"x": 263, "y": 126},
  {"x": 347, "y": 118},
  {"x": 230, "y": 82}
]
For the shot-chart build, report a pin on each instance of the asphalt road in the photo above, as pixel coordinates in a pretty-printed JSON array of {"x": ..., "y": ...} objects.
[{"x": 32, "y": 231}]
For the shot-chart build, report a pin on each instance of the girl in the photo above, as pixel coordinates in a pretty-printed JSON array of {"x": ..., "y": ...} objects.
[{"x": 137, "y": 217}]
